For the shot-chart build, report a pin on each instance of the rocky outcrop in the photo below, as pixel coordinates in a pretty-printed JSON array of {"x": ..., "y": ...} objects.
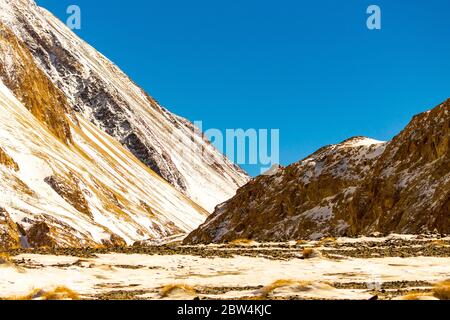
[
  {"x": 114, "y": 242},
  {"x": 357, "y": 187},
  {"x": 69, "y": 190},
  {"x": 9, "y": 233},
  {"x": 7, "y": 161},
  {"x": 39, "y": 235}
]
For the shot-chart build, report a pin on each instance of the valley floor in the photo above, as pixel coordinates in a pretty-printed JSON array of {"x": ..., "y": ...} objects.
[{"x": 363, "y": 268}]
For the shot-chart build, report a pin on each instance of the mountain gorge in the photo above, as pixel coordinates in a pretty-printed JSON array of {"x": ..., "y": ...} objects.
[
  {"x": 89, "y": 159},
  {"x": 357, "y": 187}
]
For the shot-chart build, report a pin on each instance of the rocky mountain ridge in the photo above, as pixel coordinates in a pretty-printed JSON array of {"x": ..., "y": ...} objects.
[{"x": 357, "y": 187}]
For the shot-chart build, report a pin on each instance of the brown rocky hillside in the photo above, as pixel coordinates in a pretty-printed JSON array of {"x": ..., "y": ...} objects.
[{"x": 357, "y": 187}]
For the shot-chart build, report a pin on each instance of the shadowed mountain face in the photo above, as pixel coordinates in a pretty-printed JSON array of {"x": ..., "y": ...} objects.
[
  {"x": 357, "y": 187},
  {"x": 409, "y": 188},
  {"x": 97, "y": 90}
]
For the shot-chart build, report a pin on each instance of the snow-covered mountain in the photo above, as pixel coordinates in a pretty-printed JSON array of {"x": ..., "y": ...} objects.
[
  {"x": 86, "y": 156},
  {"x": 84, "y": 192},
  {"x": 102, "y": 94},
  {"x": 357, "y": 187}
]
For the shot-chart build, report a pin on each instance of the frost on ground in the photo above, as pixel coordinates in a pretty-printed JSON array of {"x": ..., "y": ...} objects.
[{"x": 344, "y": 269}]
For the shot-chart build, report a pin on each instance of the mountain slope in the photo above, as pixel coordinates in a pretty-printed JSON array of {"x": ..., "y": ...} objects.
[
  {"x": 96, "y": 89},
  {"x": 297, "y": 201},
  {"x": 63, "y": 181},
  {"x": 85, "y": 193},
  {"x": 357, "y": 187},
  {"x": 409, "y": 190}
]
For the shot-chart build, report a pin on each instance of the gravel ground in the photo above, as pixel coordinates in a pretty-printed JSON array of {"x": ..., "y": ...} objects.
[{"x": 331, "y": 250}]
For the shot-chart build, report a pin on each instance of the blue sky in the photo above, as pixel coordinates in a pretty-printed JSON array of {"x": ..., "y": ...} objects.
[{"x": 309, "y": 68}]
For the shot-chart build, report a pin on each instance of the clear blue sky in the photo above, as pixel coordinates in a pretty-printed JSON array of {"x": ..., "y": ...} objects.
[{"x": 310, "y": 68}]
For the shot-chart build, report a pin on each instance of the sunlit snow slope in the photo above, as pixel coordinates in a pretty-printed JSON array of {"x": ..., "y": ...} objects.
[
  {"x": 103, "y": 95},
  {"x": 63, "y": 181},
  {"x": 86, "y": 191}
]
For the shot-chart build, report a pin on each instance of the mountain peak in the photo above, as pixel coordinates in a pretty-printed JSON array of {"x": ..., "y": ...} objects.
[
  {"x": 273, "y": 170},
  {"x": 359, "y": 141}
]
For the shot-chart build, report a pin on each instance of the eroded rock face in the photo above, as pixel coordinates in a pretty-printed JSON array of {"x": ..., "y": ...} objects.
[
  {"x": 9, "y": 233},
  {"x": 7, "y": 161},
  {"x": 39, "y": 236},
  {"x": 357, "y": 187},
  {"x": 47, "y": 232},
  {"x": 409, "y": 190},
  {"x": 69, "y": 190},
  {"x": 114, "y": 242}
]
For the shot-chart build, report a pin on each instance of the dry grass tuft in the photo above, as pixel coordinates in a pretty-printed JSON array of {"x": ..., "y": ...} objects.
[
  {"x": 279, "y": 284},
  {"x": 6, "y": 261},
  {"x": 295, "y": 284},
  {"x": 58, "y": 293},
  {"x": 300, "y": 242},
  {"x": 439, "y": 243},
  {"x": 61, "y": 293},
  {"x": 33, "y": 295},
  {"x": 309, "y": 253},
  {"x": 242, "y": 242},
  {"x": 5, "y": 258},
  {"x": 171, "y": 289},
  {"x": 327, "y": 240},
  {"x": 442, "y": 290},
  {"x": 417, "y": 296}
]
